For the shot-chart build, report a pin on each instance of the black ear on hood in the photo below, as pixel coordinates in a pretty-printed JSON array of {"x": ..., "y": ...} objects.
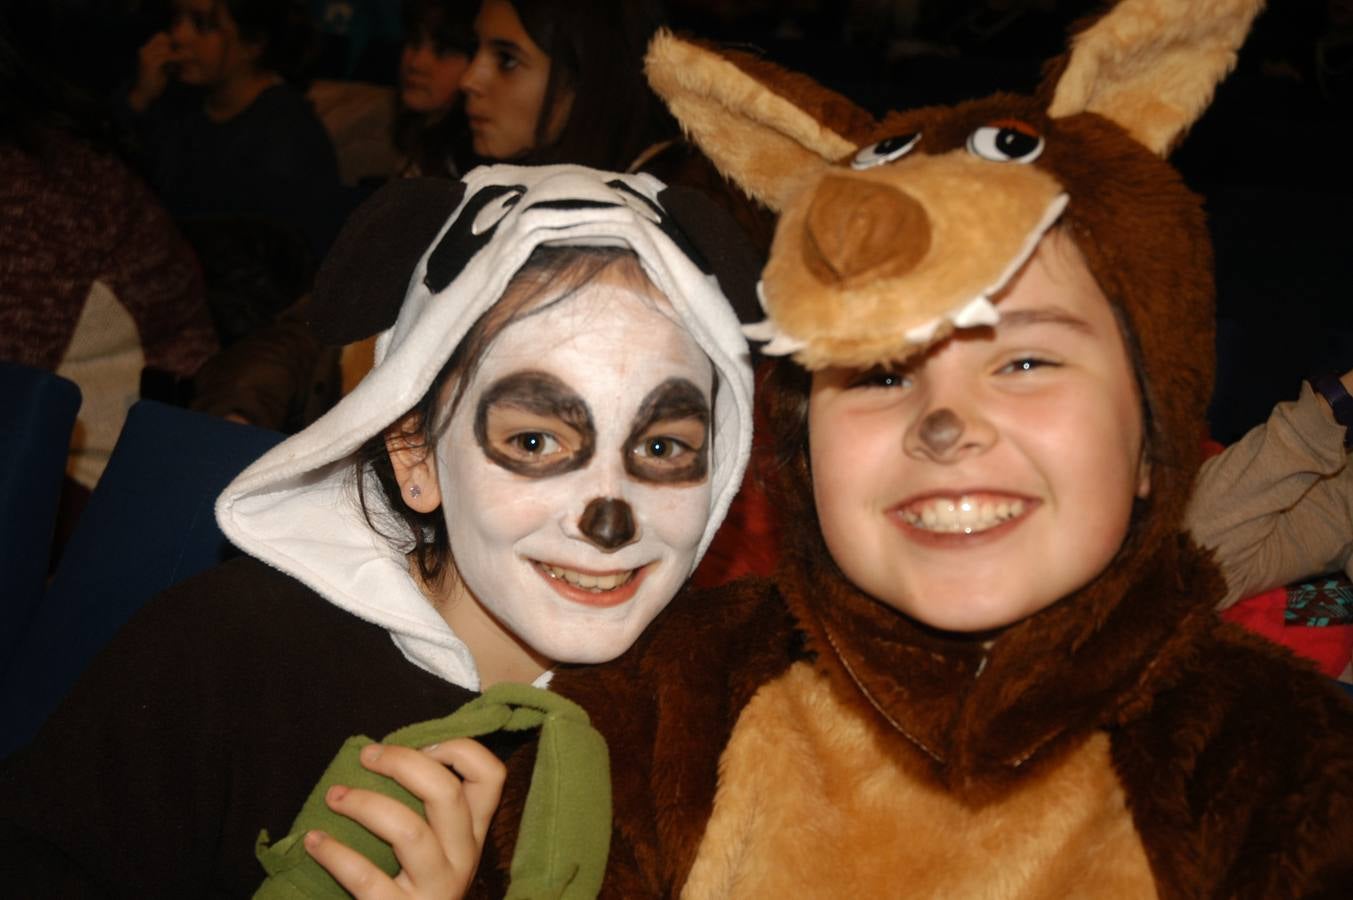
[
  {"x": 361, "y": 284},
  {"x": 710, "y": 235}
]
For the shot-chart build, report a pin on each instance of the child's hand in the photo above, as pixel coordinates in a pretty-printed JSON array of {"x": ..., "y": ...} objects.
[
  {"x": 439, "y": 854},
  {"x": 152, "y": 76}
]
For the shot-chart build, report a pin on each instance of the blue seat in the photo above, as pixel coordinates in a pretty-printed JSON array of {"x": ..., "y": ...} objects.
[
  {"x": 149, "y": 524},
  {"x": 37, "y": 413}
]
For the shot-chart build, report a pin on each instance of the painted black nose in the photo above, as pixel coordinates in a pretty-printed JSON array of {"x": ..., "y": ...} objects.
[
  {"x": 941, "y": 429},
  {"x": 608, "y": 523}
]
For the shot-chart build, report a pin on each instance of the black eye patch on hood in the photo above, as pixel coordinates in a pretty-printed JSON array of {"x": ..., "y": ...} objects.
[{"x": 460, "y": 243}]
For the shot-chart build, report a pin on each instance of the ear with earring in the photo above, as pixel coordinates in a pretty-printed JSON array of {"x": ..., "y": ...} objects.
[{"x": 414, "y": 464}]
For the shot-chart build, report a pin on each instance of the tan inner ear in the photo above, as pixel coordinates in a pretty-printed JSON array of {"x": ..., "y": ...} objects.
[
  {"x": 1151, "y": 66},
  {"x": 762, "y": 141}
]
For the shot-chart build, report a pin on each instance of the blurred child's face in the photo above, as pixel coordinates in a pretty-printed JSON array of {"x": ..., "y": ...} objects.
[
  {"x": 505, "y": 86},
  {"x": 207, "y": 46},
  {"x": 995, "y": 474},
  {"x": 429, "y": 76},
  {"x": 575, "y": 470}
]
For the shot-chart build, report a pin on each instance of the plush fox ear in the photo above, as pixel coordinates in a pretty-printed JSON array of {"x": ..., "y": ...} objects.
[
  {"x": 763, "y": 127},
  {"x": 1151, "y": 65}
]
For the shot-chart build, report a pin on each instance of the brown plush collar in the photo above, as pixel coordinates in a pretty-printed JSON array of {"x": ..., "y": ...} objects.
[{"x": 985, "y": 716}]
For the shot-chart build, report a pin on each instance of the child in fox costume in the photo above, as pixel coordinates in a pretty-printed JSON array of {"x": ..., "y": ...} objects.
[{"x": 988, "y": 664}]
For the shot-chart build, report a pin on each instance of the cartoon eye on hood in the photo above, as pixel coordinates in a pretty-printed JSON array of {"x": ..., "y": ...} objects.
[
  {"x": 1008, "y": 140},
  {"x": 885, "y": 151}
]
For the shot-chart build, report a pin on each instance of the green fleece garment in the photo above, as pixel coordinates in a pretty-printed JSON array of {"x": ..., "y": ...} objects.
[{"x": 566, "y": 824}]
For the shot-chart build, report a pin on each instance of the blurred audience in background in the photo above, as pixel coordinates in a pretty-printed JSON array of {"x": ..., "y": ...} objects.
[
  {"x": 259, "y": 123},
  {"x": 430, "y": 129},
  {"x": 222, "y": 131},
  {"x": 95, "y": 282}
]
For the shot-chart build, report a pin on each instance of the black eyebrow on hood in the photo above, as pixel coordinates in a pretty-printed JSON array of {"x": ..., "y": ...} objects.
[{"x": 459, "y": 244}]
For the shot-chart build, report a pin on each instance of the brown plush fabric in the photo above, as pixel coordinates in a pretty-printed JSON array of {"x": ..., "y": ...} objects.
[
  {"x": 1151, "y": 64},
  {"x": 665, "y": 708},
  {"x": 804, "y": 121},
  {"x": 1235, "y": 762}
]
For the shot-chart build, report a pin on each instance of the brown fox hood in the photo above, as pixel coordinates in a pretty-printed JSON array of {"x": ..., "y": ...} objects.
[
  {"x": 985, "y": 715},
  {"x": 894, "y": 232}
]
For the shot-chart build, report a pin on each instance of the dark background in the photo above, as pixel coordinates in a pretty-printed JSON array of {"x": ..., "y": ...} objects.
[{"x": 1271, "y": 156}]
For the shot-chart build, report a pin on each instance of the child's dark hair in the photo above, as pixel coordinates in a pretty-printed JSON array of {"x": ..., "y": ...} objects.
[
  {"x": 280, "y": 28},
  {"x": 562, "y": 271},
  {"x": 596, "y": 50},
  {"x": 447, "y": 24}
]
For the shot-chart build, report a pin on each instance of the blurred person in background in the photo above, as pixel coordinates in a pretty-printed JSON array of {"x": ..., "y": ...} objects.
[
  {"x": 96, "y": 284},
  {"x": 222, "y": 131},
  {"x": 563, "y": 82},
  {"x": 431, "y": 132}
]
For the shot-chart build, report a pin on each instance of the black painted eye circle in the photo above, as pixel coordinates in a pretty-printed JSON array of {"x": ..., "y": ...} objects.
[
  {"x": 885, "y": 151},
  {"x": 1006, "y": 142}
]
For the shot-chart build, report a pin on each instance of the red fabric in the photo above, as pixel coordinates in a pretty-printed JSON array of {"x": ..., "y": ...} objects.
[
  {"x": 746, "y": 543},
  {"x": 1330, "y": 647}
]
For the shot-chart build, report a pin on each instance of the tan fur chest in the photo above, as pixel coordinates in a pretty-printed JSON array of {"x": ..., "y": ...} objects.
[{"x": 811, "y": 804}]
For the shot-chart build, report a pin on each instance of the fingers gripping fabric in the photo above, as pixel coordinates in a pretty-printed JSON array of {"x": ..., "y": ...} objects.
[{"x": 566, "y": 826}]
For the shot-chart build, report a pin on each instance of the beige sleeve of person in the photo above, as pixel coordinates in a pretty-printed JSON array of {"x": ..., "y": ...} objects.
[{"x": 1277, "y": 505}]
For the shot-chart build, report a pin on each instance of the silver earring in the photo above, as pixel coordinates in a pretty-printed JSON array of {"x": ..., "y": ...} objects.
[{"x": 415, "y": 491}]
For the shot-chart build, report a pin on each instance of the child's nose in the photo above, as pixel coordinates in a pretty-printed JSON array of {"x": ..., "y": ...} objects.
[
  {"x": 472, "y": 81},
  {"x": 608, "y": 523},
  {"x": 945, "y": 435}
]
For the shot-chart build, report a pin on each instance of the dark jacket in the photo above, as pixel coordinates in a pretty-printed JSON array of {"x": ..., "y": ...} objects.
[{"x": 209, "y": 718}]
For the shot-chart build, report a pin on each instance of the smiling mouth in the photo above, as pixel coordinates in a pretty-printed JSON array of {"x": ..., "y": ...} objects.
[
  {"x": 962, "y": 514},
  {"x": 596, "y": 583}
]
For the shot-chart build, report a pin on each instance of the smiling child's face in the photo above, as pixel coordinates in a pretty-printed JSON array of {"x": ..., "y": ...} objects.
[
  {"x": 995, "y": 474},
  {"x": 575, "y": 470}
]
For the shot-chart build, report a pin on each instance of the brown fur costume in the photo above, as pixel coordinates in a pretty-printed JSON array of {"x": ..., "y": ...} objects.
[{"x": 798, "y": 738}]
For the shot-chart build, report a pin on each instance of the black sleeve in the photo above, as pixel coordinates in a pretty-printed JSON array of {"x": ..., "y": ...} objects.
[
  {"x": 120, "y": 793},
  {"x": 209, "y": 717}
]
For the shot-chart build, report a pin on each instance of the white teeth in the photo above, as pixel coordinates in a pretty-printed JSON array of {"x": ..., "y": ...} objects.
[
  {"x": 594, "y": 583},
  {"x": 965, "y": 515}
]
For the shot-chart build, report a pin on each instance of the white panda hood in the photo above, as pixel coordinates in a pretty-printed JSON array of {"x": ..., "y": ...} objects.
[{"x": 296, "y": 507}]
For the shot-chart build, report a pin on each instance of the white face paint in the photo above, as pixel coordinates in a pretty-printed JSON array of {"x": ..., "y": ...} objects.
[{"x": 574, "y": 470}]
